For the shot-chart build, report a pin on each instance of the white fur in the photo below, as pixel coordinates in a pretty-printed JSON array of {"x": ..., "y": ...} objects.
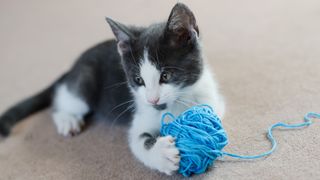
[
  {"x": 163, "y": 156},
  {"x": 205, "y": 91},
  {"x": 152, "y": 89},
  {"x": 151, "y": 77},
  {"x": 68, "y": 111}
]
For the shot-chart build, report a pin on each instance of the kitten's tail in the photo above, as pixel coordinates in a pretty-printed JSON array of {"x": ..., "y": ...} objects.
[{"x": 27, "y": 107}]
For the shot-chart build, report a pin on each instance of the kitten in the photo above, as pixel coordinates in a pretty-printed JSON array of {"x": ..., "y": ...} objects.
[{"x": 152, "y": 70}]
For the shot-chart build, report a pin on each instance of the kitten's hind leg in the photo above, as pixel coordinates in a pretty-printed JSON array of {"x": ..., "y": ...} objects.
[
  {"x": 69, "y": 111},
  {"x": 75, "y": 97}
]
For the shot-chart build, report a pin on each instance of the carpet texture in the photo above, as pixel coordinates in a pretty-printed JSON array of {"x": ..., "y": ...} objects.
[{"x": 265, "y": 55}]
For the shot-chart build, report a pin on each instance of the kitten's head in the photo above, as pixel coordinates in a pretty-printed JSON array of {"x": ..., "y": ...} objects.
[{"x": 162, "y": 60}]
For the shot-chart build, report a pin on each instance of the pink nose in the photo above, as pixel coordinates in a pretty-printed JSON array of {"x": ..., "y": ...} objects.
[{"x": 153, "y": 100}]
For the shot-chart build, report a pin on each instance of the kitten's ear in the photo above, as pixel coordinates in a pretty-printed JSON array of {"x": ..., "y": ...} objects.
[
  {"x": 122, "y": 34},
  {"x": 181, "y": 27}
]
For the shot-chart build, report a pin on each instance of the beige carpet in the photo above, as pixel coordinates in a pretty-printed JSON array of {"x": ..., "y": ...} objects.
[{"x": 265, "y": 55}]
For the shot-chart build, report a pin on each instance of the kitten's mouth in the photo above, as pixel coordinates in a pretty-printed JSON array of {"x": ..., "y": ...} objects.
[{"x": 160, "y": 107}]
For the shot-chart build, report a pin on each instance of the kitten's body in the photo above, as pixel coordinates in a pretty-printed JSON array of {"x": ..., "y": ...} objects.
[{"x": 156, "y": 69}]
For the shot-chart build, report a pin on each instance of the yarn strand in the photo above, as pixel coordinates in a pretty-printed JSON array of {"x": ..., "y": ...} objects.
[{"x": 307, "y": 122}]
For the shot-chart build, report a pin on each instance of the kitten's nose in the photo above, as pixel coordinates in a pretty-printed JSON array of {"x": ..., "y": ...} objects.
[{"x": 154, "y": 100}]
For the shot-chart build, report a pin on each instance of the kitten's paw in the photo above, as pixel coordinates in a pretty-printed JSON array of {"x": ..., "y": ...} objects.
[
  {"x": 67, "y": 124},
  {"x": 166, "y": 155}
]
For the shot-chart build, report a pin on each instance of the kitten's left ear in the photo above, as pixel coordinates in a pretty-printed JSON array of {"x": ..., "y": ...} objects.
[
  {"x": 122, "y": 34},
  {"x": 181, "y": 27}
]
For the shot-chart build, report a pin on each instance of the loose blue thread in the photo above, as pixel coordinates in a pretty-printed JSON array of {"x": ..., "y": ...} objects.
[{"x": 200, "y": 137}]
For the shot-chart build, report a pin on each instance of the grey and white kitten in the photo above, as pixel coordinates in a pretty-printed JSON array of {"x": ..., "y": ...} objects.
[{"x": 152, "y": 70}]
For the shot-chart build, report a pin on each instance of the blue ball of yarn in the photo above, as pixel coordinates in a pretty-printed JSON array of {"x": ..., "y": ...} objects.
[{"x": 199, "y": 136}]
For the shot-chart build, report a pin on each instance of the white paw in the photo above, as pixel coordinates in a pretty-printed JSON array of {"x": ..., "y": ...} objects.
[
  {"x": 67, "y": 124},
  {"x": 166, "y": 155}
]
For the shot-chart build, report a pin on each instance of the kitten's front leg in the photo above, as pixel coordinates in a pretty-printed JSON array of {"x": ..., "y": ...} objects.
[{"x": 154, "y": 151}]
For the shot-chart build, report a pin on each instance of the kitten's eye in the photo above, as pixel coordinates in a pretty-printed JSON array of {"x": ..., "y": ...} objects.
[
  {"x": 139, "y": 80},
  {"x": 165, "y": 77}
]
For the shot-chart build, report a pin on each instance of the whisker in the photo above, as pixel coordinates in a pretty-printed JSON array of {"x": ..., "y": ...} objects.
[
  {"x": 131, "y": 107},
  {"x": 157, "y": 57},
  {"x": 182, "y": 92},
  {"x": 116, "y": 85},
  {"x": 174, "y": 67},
  {"x": 181, "y": 98},
  {"x": 166, "y": 96},
  {"x": 191, "y": 75},
  {"x": 119, "y": 105},
  {"x": 188, "y": 101},
  {"x": 134, "y": 60},
  {"x": 182, "y": 103}
]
